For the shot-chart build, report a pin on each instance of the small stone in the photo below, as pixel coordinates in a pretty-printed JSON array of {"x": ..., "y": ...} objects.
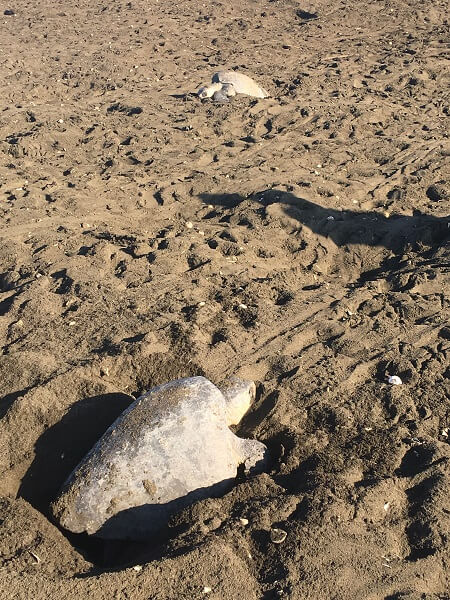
[
  {"x": 244, "y": 306},
  {"x": 207, "y": 590},
  {"x": 277, "y": 536},
  {"x": 189, "y": 225},
  {"x": 9, "y": 12},
  {"x": 137, "y": 568},
  {"x": 243, "y": 521},
  {"x": 395, "y": 380}
]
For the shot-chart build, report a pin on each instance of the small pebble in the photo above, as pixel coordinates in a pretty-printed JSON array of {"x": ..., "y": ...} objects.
[
  {"x": 277, "y": 536},
  {"x": 189, "y": 225},
  {"x": 330, "y": 218},
  {"x": 386, "y": 506},
  {"x": 202, "y": 303},
  {"x": 243, "y": 521},
  {"x": 207, "y": 590},
  {"x": 395, "y": 380},
  {"x": 242, "y": 306},
  {"x": 137, "y": 568}
]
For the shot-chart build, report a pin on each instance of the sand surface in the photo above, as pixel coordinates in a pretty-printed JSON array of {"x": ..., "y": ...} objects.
[{"x": 300, "y": 241}]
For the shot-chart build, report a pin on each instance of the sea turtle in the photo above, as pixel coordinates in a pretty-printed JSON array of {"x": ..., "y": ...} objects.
[
  {"x": 170, "y": 447},
  {"x": 229, "y": 83}
]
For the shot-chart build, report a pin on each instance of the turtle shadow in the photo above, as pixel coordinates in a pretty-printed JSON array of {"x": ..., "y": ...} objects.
[
  {"x": 184, "y": 96},
  {"x": 151, "y": 520},
  {"x": 107, "y": 553},
  {"x": 346, "y": 227},
  {"x": 61, "y": 447}
]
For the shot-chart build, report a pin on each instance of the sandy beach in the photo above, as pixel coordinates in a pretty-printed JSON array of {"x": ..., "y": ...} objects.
[{"x": 300, "y": 241}]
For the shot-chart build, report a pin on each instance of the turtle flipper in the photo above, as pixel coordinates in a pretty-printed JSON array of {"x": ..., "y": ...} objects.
[
  {"x": 255, "y": 456},
  {"x": 220, "y": 96}
]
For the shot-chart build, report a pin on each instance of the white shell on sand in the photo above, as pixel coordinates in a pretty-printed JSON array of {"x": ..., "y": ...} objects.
[{"x": 171, "y": 447}]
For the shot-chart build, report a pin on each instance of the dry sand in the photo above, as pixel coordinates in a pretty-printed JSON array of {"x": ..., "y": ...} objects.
[{"x": 317, "y": 264}]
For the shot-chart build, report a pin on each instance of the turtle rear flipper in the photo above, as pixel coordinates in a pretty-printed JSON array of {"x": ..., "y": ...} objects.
[{"x": 255, "y": 456}]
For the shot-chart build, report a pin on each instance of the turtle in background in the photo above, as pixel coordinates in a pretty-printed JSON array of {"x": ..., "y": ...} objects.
[
  {"x": 169, "y": 448},
  {"x": 226, "y": 84}
]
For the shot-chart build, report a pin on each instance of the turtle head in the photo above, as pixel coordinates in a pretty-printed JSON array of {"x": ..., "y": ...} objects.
[
  {"x": 207, "y": 91},
  {"x": 239, "y": 394}
]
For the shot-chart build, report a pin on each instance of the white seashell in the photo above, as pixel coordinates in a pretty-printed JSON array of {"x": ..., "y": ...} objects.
[
  {"x": 395, "y": 380},
  {"x": 277, "y": 536}
]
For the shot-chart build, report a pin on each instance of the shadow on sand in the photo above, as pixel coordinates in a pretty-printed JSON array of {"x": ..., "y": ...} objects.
[{"x": 346, "y": 227}]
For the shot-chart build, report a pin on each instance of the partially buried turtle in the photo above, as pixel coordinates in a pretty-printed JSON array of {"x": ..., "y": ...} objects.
[
  {"x": 229, "y": 83},
  {"x": 169, "y": 448}
]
